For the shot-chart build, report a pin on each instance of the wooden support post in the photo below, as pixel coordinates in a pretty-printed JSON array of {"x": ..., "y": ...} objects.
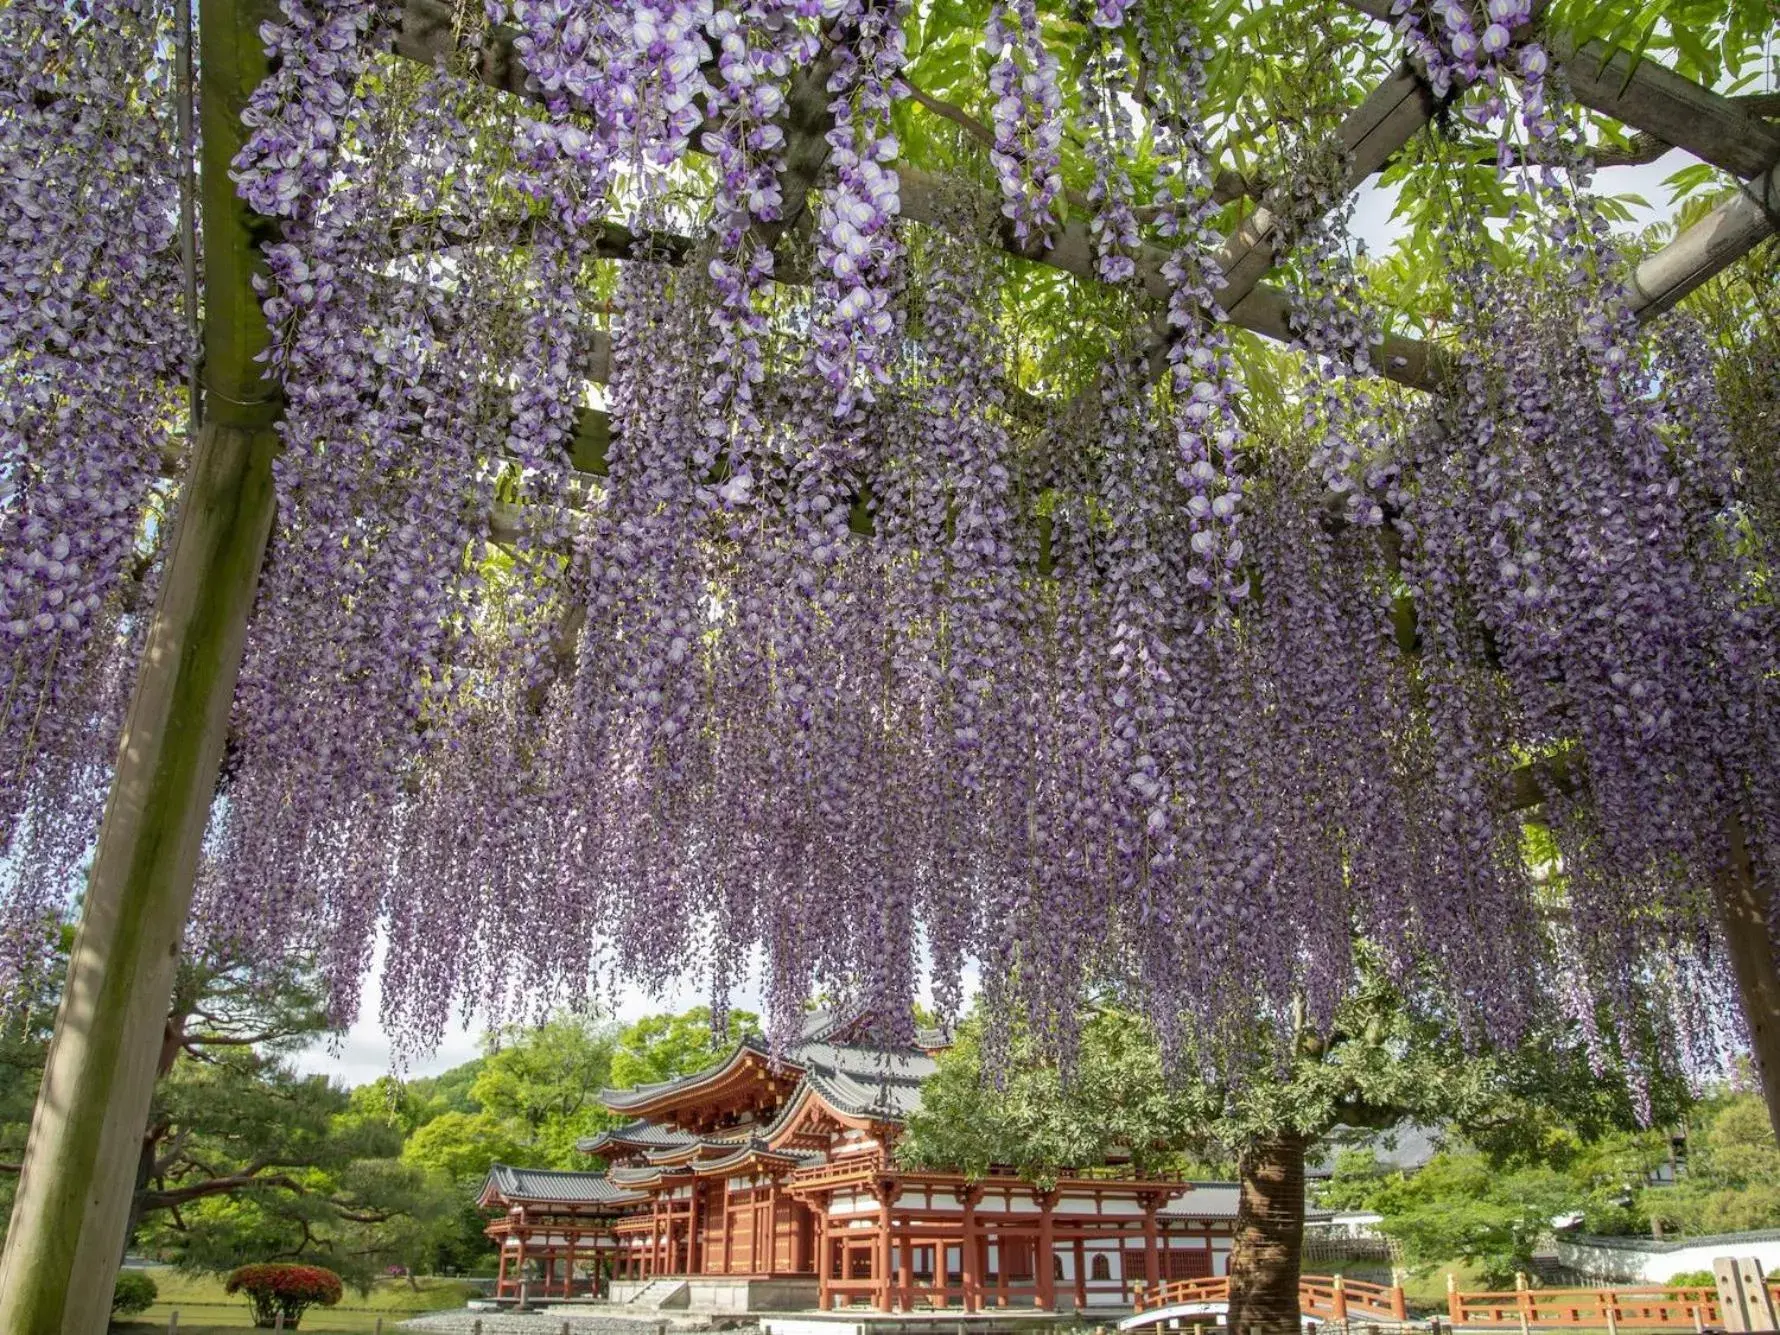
[
  {"x": 1044, "y": 1264},
  {"x": 1453, "y": 1308},
  {"x": 1001, "y": 1267},
  {"x": 1081, "y": 1276},
  {"x": 72, "y": 1205}
]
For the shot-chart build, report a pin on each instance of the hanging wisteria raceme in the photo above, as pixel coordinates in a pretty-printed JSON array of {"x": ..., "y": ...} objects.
[
  {"x": 1023, "y": 79},
  {"x": 856, "y": 247},
  {"x": 758, "y": 46},
  {"x": 1202, "y": 375},
  {"x": 91, "y": 420},
  {"x": 1107, "y": 75},
  {"x": 869, "y": 654},
  {"x": 1334, "y": 326},
  {"x": 386, "y": 482}
]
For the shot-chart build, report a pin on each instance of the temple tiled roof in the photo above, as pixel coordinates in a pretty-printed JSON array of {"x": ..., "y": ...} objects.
[
  {"x": 856, "y": 1078},
  {"x": 555, "y": 1186},
  {"x": 641, "y": 1133},
  {"x": 1217, "y": 1200},
  {"x": 756, "y": 1147}
]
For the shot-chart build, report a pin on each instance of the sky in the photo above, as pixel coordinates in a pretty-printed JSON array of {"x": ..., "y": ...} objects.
[{"x": 364, "y": 1053}]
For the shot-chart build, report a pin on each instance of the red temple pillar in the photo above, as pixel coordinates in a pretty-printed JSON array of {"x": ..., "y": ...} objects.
[
  {"x": 883, "y": 1259},
  {"x": 728, "y": 1228},
  {"x": 1152, "y": 1264},
  {"x": 822, "y": 1262},
  {"x": 1043, "y": 1266},
  {"x": 1081, "y": 1276},
  {"x": 905, "y": 1274},
  {"x": 968, "y": 1254},
  {"x": 500, "y": 1283}
]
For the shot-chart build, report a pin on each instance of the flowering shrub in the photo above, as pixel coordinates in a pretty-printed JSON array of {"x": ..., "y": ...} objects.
[{"x": 275, "y": 1288}]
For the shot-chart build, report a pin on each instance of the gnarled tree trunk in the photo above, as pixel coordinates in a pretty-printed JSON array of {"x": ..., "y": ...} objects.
[{"x": 1264, "y": 1260}]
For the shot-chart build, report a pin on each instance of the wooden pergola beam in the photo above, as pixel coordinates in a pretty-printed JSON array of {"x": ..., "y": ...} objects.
[
  {"x": 1392, "y": 115},
  {"x": 1709, "y": 247},
  {"x": 1643, "y": 94}
]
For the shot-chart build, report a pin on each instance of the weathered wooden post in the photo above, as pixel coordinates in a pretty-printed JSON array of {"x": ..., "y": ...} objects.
[
  {"x": 1338, "y": 1302},
  {"x": 69, "y": 1216},
  {"x": 1452, "y": 1298},
  {"x": 1525, "y": 1301}
]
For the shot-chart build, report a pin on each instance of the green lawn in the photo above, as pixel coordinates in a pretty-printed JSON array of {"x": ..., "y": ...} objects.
[
  {"x": 203, "y": 1306},
  {"x": 1428, "y": 1289}
]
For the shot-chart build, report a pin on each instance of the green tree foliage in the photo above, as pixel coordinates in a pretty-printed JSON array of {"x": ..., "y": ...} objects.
[
  {"x": 242, "y": 1158},
  {"x": 26, "y": 1021},
  {"x": 1118, "y": 1106},
  {"x": 1381, "y": 1064},
  {"x": 446, "y": 1092},
  {"x": 1732, "y": 1182},
  {"x": 543, "y": 1082},
  {"x": 660, "y": 1047},
  {"x": 462, "y": 1146},
  {"x": 1463, "y": 1206}
]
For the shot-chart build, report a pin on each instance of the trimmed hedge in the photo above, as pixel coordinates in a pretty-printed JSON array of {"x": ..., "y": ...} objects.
[
  {"x": 277, "y": 1288},
  {"x": 135, "y": 1292}
]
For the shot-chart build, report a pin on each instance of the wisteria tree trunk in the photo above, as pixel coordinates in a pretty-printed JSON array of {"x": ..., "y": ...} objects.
[
  {"x": 1745, "y": 912},
  {"x": 1264, "y": 1260}
]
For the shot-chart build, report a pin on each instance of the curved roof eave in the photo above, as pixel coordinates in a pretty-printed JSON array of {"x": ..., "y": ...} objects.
[{"x": 647, "y": 1096}]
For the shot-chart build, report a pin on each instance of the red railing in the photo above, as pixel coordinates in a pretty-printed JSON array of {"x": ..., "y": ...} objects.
[
  {"x": 1639, "y": 1306},
  {"x": 1330, "y": 1297},
  {"x": 1634, "y": 1307},
  {"x": 862, "y": 1167}
]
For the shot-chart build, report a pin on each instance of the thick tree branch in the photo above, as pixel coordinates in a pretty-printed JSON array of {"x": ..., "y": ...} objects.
[{"x": 217, "y": 1186}]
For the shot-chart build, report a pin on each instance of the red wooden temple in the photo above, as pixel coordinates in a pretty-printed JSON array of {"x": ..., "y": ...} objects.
[{"x": 748, "y": 1186}]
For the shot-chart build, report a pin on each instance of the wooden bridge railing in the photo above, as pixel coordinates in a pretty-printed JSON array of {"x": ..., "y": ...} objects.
[
  {"x": 1334, "y": 1298},
  {"x": 1637, "y": 1306},
  {"x": 1330, "y": 1297}
]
